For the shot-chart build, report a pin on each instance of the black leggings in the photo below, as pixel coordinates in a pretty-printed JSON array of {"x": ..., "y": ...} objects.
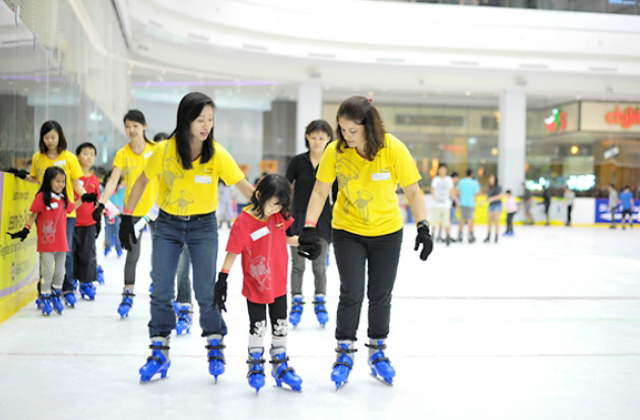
[
  {"x": 380, "y": 255},
  {"x": 277, "y": 315},
  {"x": 510, "y": 222},
  {"x": 84, "y": 253}
]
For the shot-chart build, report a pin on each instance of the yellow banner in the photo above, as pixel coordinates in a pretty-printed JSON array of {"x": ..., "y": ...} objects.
[{"x": 18, "y": 260}]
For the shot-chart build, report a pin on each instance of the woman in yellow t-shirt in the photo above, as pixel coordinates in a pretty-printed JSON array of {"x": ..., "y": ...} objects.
[
  {"x": 53, "y": 152},
  {"x": 188, "y": 167},
  {"x": 369, "y": 163},
  {"x": 129, "y": 164}
]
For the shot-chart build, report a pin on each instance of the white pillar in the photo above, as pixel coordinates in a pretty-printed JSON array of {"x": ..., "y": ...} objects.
[
  {"x": 512, "y": 140},
  {"x": 308, "y": 108}
]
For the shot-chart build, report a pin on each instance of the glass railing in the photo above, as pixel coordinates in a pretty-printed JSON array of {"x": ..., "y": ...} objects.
[{"x": 627, "y": 7}]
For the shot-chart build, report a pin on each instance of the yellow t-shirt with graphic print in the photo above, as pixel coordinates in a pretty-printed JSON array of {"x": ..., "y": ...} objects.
[
  {"x": 194, "y": 191},
  {"x": 67, "y": 161},
  {"x": 132, "y": 165},
  {"x": 367, "y": 203}
]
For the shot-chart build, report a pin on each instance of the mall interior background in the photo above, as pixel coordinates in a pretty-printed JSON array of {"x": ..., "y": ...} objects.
[{"x": 542, "y": 91}]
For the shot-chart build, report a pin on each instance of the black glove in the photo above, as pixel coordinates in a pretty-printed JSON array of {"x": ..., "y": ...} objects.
[
  {"x": 19, "y": 173},
  {"x": 424, "y": 238},
  {"x": 97, "y": 212},
  {"x": 309, "y": 243},
  {"x": 220, "y": 292},
  {"x": 22, "y": 235},
  {"x": 98, "y": 227},
  {"x": 89, "y": 197},
  {"x": 127, "y": 232}
]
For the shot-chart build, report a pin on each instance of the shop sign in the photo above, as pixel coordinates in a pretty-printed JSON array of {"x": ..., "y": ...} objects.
[
  {"x": 613, "y": 152},
  {"x": 557, "y": 121},
  {"x": 625, "y": 119}
]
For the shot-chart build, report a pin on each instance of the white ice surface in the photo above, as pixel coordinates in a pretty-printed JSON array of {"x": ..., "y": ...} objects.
[{"x": 544, "y": 325}]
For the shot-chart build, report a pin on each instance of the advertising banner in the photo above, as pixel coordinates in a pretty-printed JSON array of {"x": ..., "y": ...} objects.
[
  {"x": 610, "y": 117},
  {"x": 603, "y": 215},
  {"x": 18, "y": 260}
]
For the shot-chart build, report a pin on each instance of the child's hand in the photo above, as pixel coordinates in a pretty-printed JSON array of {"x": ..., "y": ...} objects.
[
  {"x": 220, "y": 292},
  {"x": 22, "y": 235},
  {"x": 97, "y": 212}
]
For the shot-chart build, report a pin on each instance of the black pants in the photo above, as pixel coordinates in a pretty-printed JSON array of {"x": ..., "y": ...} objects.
[
  {"x": 510, "y": 222},
  {"x": 277, "y": 315},
  {"x": 131, "y": 261},
  {"x": 380, "y": 255},
  {"x": 84, "y": 253},
  {"x": 569, "y": 208}
]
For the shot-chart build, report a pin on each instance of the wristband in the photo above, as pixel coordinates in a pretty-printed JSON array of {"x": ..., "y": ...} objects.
[
  {"x": 225, "y": 271},
  {"x": 127, "y": 212},
  {"x": 309, "y": 223},
  {"x": 28, "y": 227}
]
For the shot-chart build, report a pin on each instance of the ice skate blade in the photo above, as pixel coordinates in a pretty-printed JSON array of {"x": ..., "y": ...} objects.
[
  {"x": 340, "y": 385},
  {"x": 382, "y": 380},
  {"x": 287, "y": 388}
]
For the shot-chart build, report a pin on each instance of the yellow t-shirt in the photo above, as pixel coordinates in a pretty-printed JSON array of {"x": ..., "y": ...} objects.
[
  {"x": 194, "y": 191},
  {"x": 67, "y": 161},
  {"x": 367, "y": 203},
  {"x": 132, "y": 166}
]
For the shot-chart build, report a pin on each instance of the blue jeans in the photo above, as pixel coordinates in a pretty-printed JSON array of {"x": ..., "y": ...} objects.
[
  {"x": 111, "y": 232},
  {"x": 201, "y": 236},
  {"x": 67, "y": 286},
  {"x": 184, "y": 284}
]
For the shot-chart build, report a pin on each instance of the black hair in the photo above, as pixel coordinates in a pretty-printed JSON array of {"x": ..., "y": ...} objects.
[
  {"x": 136, "y": 115},
  {"x": 442, "y": 165},
  {"x": 45, "y": 188},
  {"x": 626, "y": 187},
  {"x": 48, "y": 126},
  {"x": 454, "y": 175},
  {"x": 317, "y": 125},
  {"x": 613, "y": 186},
  {"x": 160, "y": 136},
  {"x": 360, "y": 110},
  {"x": 493, "y": 187},
  {"x": 470, "y": 172},
  {"x": 272, "y": 185},
  {"x": 189, "y": 110},
  {"x": 86, "y": 145},
  {"x": 508, "y": 191}
]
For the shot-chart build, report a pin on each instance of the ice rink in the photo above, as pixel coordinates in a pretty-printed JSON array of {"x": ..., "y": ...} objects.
[{"x": 543, "y": 325}]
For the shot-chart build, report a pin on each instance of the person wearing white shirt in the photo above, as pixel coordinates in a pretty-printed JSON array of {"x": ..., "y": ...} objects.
[{"x": 443, "y": 190}]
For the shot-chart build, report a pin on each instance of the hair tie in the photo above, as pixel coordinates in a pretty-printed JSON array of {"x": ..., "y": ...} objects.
[{"x": 370, "y": 99}]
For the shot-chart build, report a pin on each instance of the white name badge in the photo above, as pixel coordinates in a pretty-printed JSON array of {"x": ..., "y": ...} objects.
[
  {"x": 60, "y": 163},
  {"x": 81, "y": 182},
  {"x": 148, "y": 155},
  {"x": 260, "y": 233},
  {"x": 53, "y": 205},
  {"x": 383, "y": 176},
  {"x": 202, "y": 179}
]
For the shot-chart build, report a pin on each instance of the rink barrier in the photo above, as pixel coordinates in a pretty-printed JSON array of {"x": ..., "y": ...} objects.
[{"x": 18, "y": 260}]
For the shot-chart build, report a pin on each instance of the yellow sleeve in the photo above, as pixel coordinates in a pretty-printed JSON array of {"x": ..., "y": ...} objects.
[
  {"x": 228, "y": 169},
  {"x": 75, "y": 171},
  {"x": 404, "y": 169},
  {"x": 34, "y": 165},
  {"x": 154, "y": 165},
  {"x": 118, "y": 161},
  {"x": 327, "y": 167}
]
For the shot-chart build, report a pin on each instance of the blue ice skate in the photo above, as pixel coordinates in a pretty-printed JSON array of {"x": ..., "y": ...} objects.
[
  {"x": 88, "y": 291},
  {"x": 45, "y": 304},
  {"x": 56, "y": 301},
  {"x": 39, "y": 302},
  {"x": 75, "y": 284},
  {"x": 216, "y": 355},
  {"x": 296, "y": 310},
  {"x": 100, "y": 275},
  {"x": 183, "y": 326},
  {"x": 343, "y": 365},
  {"x": 158, "y": 362},
  {"x": 151, "y": 288},
  {"x": 256, "y": 369},
  {"x": 70, "y": 299},
  {"x": 282, "y": 372},
  {"x": 321, "y": 310},
  {"x": 126, "y": 304},
  {"x": 380, "y": 364}
]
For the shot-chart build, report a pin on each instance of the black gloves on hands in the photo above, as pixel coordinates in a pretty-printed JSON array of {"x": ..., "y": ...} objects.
[
  {"x": 18, "y": 173},
  {"x": 89, "y": 197},
  {"x": 22, "y": 235},
  {"x": 309, "y": 243},
  {"x": 127, "y": 232},
  {"x": 220, "y": 292},
  {"x": 97, "y": 212},
  {"x": 424, "y": 238}
]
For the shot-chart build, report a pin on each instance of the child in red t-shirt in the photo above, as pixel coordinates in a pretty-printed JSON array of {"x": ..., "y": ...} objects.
[
  {"x": 50, "y": 208},
  {"x": 260, "y": 235},
  {"x": 87, "y": 229}
]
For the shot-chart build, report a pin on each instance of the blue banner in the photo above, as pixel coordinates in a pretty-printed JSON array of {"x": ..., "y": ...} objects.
[{"x": 603, "y": 215}]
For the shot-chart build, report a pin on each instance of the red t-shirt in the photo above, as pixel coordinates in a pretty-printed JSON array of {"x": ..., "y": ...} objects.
[
  {"x": 84, "y": 213},
  {"x": 52, "y": 224},
  {"x": 263, "y": 246}
]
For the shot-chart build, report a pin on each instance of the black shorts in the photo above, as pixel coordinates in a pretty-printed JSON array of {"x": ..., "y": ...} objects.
[{"x": 627, "y": 212}]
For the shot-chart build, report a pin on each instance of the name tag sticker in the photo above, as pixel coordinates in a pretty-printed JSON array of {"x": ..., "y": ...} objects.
[
  {"x": 60, "y": 162},
  {"x": 260, "y": 233},
  {"x": 384, "y": 176},
  {"x": 53, "y": 205},
  {"x": 148, "y": 155},
  {"x": 203, "y": 179},
  {"x": 81, "y": 182}
]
